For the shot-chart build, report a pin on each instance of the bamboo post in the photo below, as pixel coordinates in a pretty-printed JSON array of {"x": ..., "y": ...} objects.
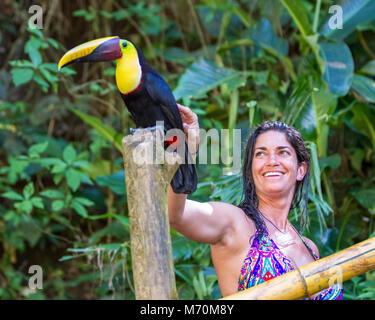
[
  {"x": 315, "y": 276},
  {"x": 147, "y": 183}
]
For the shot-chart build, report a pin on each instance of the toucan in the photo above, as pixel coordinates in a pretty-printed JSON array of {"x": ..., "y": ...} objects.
[{"x": 146, "y": 94}]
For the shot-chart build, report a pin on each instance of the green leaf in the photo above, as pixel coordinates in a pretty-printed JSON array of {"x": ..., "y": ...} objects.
[
  {"x": 115, "y": 181},
  {"x": 28, "y": 190},
  {"x": 263, "y": 35},
  {"x": 59, "y": 166},
  {"x": 21, "y": 64},
  {"x": 37, "y": 202},
  {"x": 32, "y": 49},
  {"x": 83, "y": 164},
  {"x": 297, "y": 100},
  {"x": 57, "y": 205},
  {"x": 42, "y": 83},
  {"x": 79, "y": 208},
  {"x": 53, "y": 43},
  {"x": 37, "y": 149},
  {"x": 355, "y": 12},
  {"x": 356, "y": 157},
  {"x": 105, "y": 132},
  {"x": 73, "y": 178},
  {"x": 203, "y": 76},
  {"x": 364, "y": 120},
  {"x": 12, "y": 195},
  {"x": 21, "y": 76},
  {"x": 306, "y": 122},
  {"x": 332, "y": 161},
  {"x": 365, "y": 87},
  {"x": 299, "y": 15},
  {"x": 10, "y": 215},
  {"x": 368, "y": 69},
  {"x": 366, "y": 198},
  {"x": 50, "y": 66},
  {"x": 111, "y": 246},
  {"x": 67, "y": 71},
  {"x": 35, "y": 57},
  {"x": 24, "y": 206},
  {"x": 30, "y": 230},
  {"x": 198, "y": 288},
  {"x": 338, "y": 66},
  {"x": 48, "y": 75},
  {"x": 52, "y": 194},
  {"x": 324, "y": 104},
  {"x": 84, "y": 201},
  {"x": 65, "y": 258},
  {"x": 69, "y": 154}
]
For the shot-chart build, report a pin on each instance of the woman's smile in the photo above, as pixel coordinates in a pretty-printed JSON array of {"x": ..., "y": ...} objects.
[{"x": 273, "y": 174}]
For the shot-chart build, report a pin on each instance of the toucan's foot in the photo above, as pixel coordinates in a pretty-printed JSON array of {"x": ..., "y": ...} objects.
[{"x": 132, "y": 130}]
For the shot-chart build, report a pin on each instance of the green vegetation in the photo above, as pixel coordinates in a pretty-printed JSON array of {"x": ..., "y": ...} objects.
[{"x": 235, "y": 63}]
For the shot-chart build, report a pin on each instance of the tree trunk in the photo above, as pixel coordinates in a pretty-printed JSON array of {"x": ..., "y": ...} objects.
[
  {"x": 147, "y": 184},
  {"x": 315, "y": 276}
]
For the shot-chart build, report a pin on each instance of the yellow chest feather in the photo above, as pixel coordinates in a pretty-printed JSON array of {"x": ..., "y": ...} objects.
[{"x": 128, "y": 72}]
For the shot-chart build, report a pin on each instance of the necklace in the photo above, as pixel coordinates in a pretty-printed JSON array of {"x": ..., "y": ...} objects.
[{"x": 283, "y": 238}]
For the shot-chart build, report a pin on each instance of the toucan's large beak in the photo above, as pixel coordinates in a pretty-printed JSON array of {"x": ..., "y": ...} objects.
[{"x": 103, "y": 49}]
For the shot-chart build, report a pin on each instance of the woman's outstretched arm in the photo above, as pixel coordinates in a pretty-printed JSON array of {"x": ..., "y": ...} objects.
[{"x": 207, "y": 222}]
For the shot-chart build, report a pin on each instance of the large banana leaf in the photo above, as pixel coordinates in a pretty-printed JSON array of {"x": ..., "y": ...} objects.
[
  {"x": 306, "y": 122},
  {"x": 338, "y": 66},
  {"x": 355, "y": 12},
  {"x": 203, "y": 76},
  {"x": 263, "y": 35}
]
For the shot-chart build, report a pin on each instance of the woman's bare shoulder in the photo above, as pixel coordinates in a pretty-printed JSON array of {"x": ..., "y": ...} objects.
[
  {"x": 228, "y": 210},
  {"x": 240, "y": 223}
]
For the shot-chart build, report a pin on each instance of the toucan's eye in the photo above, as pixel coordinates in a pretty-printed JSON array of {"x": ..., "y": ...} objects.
[{"x": 124, "y": 44}]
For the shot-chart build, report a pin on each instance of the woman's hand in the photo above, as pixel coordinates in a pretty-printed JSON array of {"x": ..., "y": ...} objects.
[{"x": 191, "y": 128}]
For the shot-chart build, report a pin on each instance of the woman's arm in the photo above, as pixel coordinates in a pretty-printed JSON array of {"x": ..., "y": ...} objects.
[{"x": 207, "y": 222}]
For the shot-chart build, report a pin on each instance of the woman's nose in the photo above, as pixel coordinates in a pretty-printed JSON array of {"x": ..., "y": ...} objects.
[{"x": 272, "y": 159}]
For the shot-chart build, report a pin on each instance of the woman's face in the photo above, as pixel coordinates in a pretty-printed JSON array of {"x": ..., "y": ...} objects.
[{"x": 275, "y": 168}]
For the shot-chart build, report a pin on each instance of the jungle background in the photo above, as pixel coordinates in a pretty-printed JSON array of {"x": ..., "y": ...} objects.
[{"x": 235, "y": 63}]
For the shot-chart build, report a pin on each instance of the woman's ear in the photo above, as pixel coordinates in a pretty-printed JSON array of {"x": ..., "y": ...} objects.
[{"x": 301, "y": 171}]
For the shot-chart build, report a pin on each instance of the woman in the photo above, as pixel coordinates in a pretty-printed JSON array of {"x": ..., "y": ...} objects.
[{"x": 254, "y": 242}]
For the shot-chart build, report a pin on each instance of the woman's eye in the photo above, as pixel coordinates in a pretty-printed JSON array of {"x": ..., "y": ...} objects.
[
  {"x": 284, "y": 152},
  {"x": 258, "y": 154}
]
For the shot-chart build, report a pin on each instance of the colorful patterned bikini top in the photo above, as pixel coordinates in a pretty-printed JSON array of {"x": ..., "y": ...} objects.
[{"x": 266, "y": 261}]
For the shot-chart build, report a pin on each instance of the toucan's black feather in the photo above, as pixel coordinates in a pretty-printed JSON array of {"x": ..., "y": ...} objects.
[{"x": 153, "y": 101}]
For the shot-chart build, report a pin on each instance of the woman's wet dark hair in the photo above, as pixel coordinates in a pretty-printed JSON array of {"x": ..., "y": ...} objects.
[{"x": 250, "y": 201}]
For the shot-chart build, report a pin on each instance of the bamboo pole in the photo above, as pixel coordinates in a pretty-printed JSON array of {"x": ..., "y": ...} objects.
[
  {"x": 315, "y": 276},
  {"x": 147, "y": 183}
]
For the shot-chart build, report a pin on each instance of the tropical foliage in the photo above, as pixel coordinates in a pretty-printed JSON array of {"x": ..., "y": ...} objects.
[{"x": 235, "y": 63}]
